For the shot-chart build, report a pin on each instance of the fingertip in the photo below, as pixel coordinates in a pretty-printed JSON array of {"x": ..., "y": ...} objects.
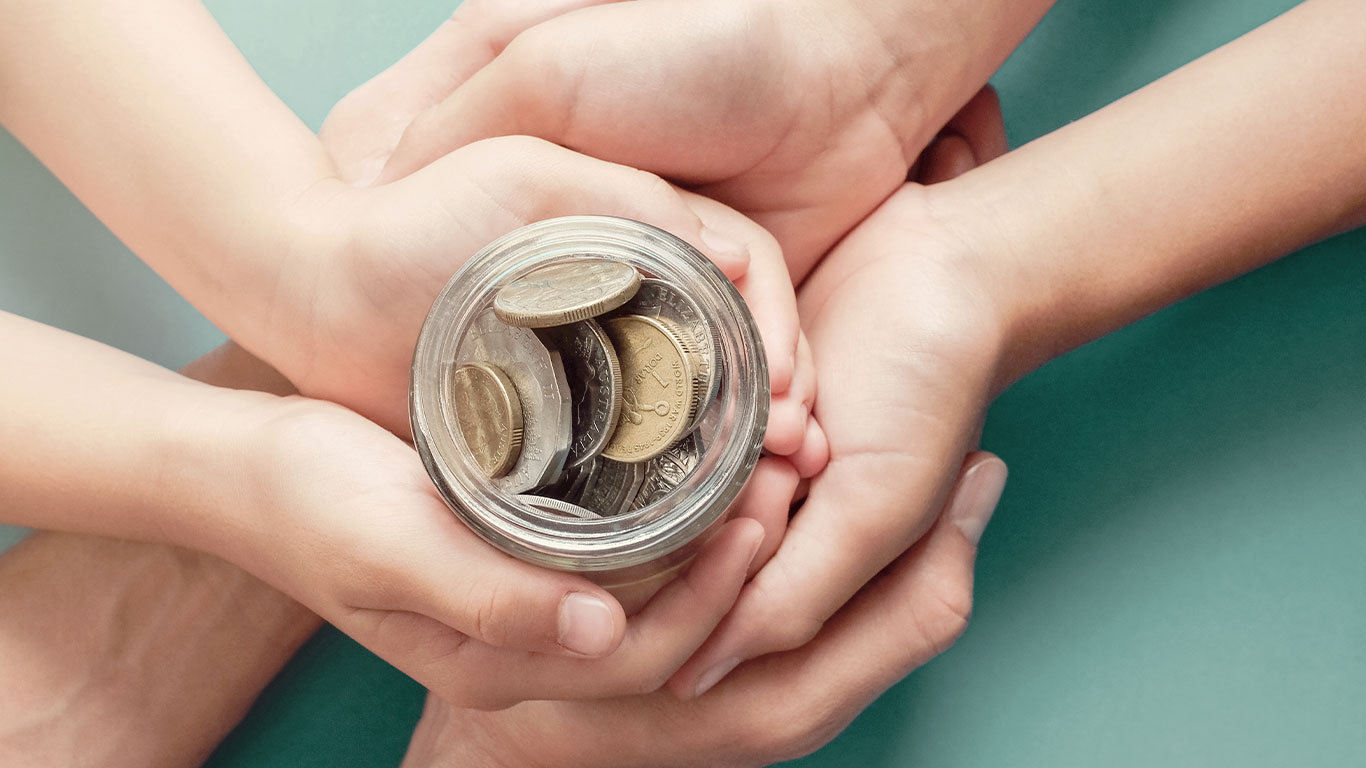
[
  {"x": 814, "y": 452},
  {"x": 787, "y": 418},
  {"x": 729, "y": 255},
  {"x": 767, "y": 498},
  {"x": 782, "y": 370},
  {"x": 949, "y": 157},
  {"x": 590, "y": 625}
]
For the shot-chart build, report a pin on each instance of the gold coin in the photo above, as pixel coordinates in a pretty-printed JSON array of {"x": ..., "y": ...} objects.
[
  {"x": 490, "y": 416},
  {"x": 659, "y": 372},
  {"x": 566, "y": 292}
]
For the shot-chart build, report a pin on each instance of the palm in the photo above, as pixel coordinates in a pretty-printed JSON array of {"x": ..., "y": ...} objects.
[{"x": 905, "y": 356}]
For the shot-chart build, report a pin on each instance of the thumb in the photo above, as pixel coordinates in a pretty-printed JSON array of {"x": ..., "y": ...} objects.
[
  {"x": 521, "y": 92},
  {"x": 465, "y": 584},
  {"x": 364, "y": 127}
]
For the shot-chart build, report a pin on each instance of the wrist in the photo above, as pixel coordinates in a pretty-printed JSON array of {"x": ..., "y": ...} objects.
[
  {"x": 926, "y": 58},
  {"x": 997, "y": 263}
]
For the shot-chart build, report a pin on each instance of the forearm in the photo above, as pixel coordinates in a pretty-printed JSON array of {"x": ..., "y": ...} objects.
[
  {"x": 1228, "y": 163},
  {"x": 97, "y": 441},
  {"x": 119, "y": 653},
  {"x": 937, "y": 54},
  {"x": 153, "y": 119}
]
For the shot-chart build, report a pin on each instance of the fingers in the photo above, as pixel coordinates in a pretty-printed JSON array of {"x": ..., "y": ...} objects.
[
  {"x": 974, "y": 136},
  {"x": 789, "y": 704},
  {"x": 767, "y": 289},
  {"x": 454, "y": 578},
  {"x": 767, "y": 498},
  {"x": 948, "y": 157},
  {"x": 659, "y": 639},
  {"x": 521, "y": 91},
  {"x": 480, "y": 192},
  {"x": 980, "y": 122},
  {"x": 363, "y": 129},
  {"x": 860, "y": 515},
  {"x": 790, "y": 423},
  {"x": 814, "y": 453}
]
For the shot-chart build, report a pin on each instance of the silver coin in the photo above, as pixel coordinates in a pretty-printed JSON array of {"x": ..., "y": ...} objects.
[
  {"x": 559, "y": 507},
  {"x": 537, "y": 373},
  {"x": 595, "y": 385},
  {"x": 571, "y": 484},
  {"x": 566, "y": 292},
  {"x": 660, "y": 299},
  {"x": 667, "y": 471},
  {"x": 613, "y": 488}
]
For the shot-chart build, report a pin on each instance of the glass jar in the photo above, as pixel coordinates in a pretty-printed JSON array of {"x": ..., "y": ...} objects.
[{"x": 635, "y": 553}]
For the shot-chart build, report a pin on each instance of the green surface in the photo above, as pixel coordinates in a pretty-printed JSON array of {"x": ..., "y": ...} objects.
[{"x": 1173, "y": 577}]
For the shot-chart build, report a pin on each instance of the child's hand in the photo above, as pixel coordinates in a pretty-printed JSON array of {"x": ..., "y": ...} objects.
[
  {"x": 802, "y": 115},
  {"x": 341, "y": 515},
  {"x": 907, "y": 339}
]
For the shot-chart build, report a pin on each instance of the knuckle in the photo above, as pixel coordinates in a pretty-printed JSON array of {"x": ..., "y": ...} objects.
[
  {"x": 782, "y": 625},
  {"x": 945, "y": 619},
  {"x": 489, "y": 616}
]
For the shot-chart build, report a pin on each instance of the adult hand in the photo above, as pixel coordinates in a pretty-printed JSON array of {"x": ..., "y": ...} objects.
[
  {"x": 907, "y": 344},
  {"x": 803, "y": 114},
  {"x": 771, "y": 709}
]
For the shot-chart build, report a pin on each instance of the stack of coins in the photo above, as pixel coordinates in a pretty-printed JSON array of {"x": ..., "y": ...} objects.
[{"x": 581, "y": 390}]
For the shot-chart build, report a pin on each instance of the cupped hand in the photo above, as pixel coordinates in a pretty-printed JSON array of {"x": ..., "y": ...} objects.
[
  {"x": 907, "y": 340},
  {"x": 801, "y": 114},
  {"x": 340, "y": 514},
  {"x": 770, "y": 709},
  {"x": 374, "y": 259}
]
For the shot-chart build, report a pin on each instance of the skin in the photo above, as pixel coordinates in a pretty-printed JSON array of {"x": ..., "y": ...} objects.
[
  {"x": 337, "y": 513},
  {"x": 1180, "y": 213},
  {"x": 771, "y": 106},
  {"x": 1062, "y": 241},
  {"x": 243, "y": 210},
  {"x": 147, "y": 654}
]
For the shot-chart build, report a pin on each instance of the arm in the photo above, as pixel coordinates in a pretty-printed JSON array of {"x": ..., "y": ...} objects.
[
  {"x": 973, "y": 282},
  {"x": 335, "y": 512},
  {"x": 1226, "y": 164},
  {"x": 126, "y": 653},
  {"x": 123, "y": 653},
  {"x": 771, "y": 106},
  {"x": 151, "y": 116}
]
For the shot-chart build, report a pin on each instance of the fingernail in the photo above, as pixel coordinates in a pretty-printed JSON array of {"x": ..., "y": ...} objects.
[
  {"x": 586, "y": 625},
  {"x": 716, "y": 674},
  {"x": 724, "y": 246},
  {"x": 977, "y": 496}
]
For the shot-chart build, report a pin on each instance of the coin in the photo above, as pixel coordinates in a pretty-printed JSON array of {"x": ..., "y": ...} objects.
[
  {"x": 667, "y": 471},
  {"x": 571, "y": 484},
  {"x": 561, "y": 507},
  {"x": 658, "y": 390},
  {"x": 537, "y": 373},
  {"x": 490, "y": 416},
  {"x": 590, "y": 363},
  {"x": 612, "y": 489},
  {"x": 665, "y": 301},
  {"x": 566, "y": 292}
]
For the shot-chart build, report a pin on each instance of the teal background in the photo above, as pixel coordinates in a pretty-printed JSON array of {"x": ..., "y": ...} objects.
[{"x": 1174, "y": 576}]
